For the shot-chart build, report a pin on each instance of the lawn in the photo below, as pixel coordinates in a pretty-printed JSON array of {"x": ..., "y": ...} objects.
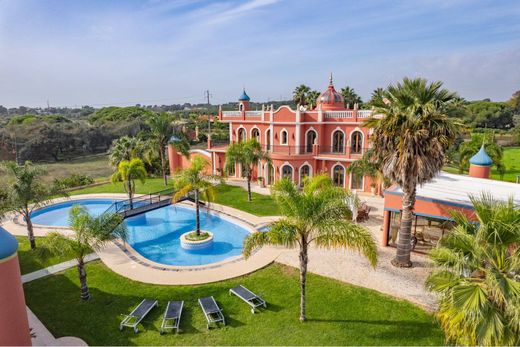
[
  {"x": 511, "y": 161},
  {"x": 95, "y": 166},
  {"x": 35, "y": 260},
  {"x": 236, "y": 197},
  {"x": 338, "y": 313}
]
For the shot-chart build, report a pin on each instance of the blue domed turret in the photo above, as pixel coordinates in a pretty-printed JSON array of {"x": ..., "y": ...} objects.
[
  {"x": 481, "y": 158},
  {"x": 244, "y": 96},
  {"x": 8, "y": 244}
]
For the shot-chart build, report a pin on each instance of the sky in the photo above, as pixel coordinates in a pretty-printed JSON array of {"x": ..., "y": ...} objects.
[{"x": 99, "y": 52}]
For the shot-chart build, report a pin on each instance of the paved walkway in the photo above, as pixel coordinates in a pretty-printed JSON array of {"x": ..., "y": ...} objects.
[{"x": 56, "y": 268}]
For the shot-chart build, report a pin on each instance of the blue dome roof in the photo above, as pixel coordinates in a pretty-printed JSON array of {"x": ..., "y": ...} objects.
[
  {"x": 481, "y": 158},
  {"x": 8, "y": 244},
  {"x": 244, "y": 96}
]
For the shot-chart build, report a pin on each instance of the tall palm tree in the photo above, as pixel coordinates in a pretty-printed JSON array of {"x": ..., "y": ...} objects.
[
  {"x": 376, "y": 98},
  {"x": 410, "y": 141},
  {"x": 350, "y": 96},
  {"x": 127, "y": 172},
  {"x": 317, "y": 214},
  {"x": 90, "y": 232},
  {"x": 161, "y": 129},
  {"x": 477, "y": 276},
  {"x": 368, "y": 166},
  {"x": 25, "y": 191},
  {"x": 248, "y": 154},
  {"x": 468, "y": 149},
  {"x": 125, "y": 148},
  {"x": 300, "y": 94},
  {"x": 195, "y": 180},
  {"x": 312, "y": 97}
]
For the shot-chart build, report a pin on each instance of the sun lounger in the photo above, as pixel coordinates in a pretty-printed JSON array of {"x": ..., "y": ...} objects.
[
  {"x": 249, "y": 297},
  {"x": 137, "y": 315},
  {"x": 211, "y": 310},
  {"x": 172, "y": 316}
]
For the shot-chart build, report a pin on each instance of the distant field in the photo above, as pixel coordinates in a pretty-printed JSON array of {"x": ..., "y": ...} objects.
[
  {"x": 97, "y": 167},
  {"x": 511, "y": 161}
]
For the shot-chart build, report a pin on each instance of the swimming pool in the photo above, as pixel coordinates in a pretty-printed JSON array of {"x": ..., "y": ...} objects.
[
  {"x": 156, "y": 236},
  {"x": 58, "y": 214}
]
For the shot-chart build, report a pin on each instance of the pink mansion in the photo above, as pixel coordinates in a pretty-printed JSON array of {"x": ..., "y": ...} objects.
[{"x": 300, "y": 142}]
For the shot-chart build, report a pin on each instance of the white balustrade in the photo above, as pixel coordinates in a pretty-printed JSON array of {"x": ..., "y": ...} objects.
[
  {"x": 364, "y": 113},
  {"x": 253, "y": 113},
  {"x": 339, "y": 114},
  {"x": 231, "y": 113}
]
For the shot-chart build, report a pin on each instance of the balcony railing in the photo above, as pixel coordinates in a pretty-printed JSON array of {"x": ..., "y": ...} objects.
[
  {"x": 342, "y": 150},
  {"x": 253, "y": 113},
  {"x": 364, "y": 113},
  {"x": 339, "y": 114},
  {"x": 231, "y": 113}
]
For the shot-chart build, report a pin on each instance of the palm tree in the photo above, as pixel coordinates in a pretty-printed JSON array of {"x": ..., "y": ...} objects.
[
  {"x": 410, "y": 142},
  {"x": 127, "y": 172},
  {"x": 195, "y": 180},
  {"x": 350, "y": 96},
  {"x": 468, "y": 149},
  {"x": 25, "y": 191},
  {"x": 376, "y": 99},
  {"x": 248, "y": 154},
  {"x": 367, "y": 166},
  {"x": 300, "y": 94},
  {"x": 312, "y": 97},
  {"x": 90, "y": 232},
  {"x": 160, "y": 131},
  {"x": 125, "y": 148},
  {"x": 477, "y": 276},
  {"x": 317, "y": 214}
]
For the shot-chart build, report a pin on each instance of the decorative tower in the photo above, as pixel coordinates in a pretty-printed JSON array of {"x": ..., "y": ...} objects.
[
  {"x": 243, "y": 101},
  {"x": 330, "y": 99},
  {"x": 14, "y": 325},
  {"x": 480, "y": 164}
]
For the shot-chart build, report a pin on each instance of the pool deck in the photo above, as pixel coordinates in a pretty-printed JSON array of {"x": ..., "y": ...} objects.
[{"x": 126, "y": 262}]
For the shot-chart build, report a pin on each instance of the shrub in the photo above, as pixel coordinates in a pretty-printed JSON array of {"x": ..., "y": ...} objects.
[{"x": 73, "y": 180}]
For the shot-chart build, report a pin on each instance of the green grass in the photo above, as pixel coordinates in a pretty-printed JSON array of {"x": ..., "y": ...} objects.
[
  {"x": 97, "y": 167},
  {"x": 39, "y": 259},
  {"x": 236, "y": 197},
  {"x": 511, "y": 161},
  {"x": 338, "y": 313}
]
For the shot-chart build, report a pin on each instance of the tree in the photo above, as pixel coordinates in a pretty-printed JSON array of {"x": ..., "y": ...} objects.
[
  {"x": 487, "y": 114},
  {"x": 300, "y": 94},
  {"x": 376, "y": 98},
  {"x": 350, "y": 97},
  {"x": 316, "y": 214},
  {"x": 125, "y": 148},
  {"x": 248, "y": 154},
  {"x": 25, "y": 191},
  {"x": 127, "y": 172},
  {"x": 312, "y": 97},
  {"x": 468, "y": 149},
  {"x": 195, "y": 180},
  {"x": 410, "y": 140},
  {"x": 160, "y": 132},
  {"x": 477, "y": 276},
  {"x": 90, "y": 232},
  {"x": 369, "y": 166}
]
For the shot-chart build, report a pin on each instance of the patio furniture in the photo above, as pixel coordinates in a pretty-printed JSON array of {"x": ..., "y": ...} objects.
[
  {"x": 172, "y": 316},
  {"x": 211, "y": 310},
  {"x": 249, "y": 297},
  {"x": 362, "y": 213},
  {"x": 136, "y": 316}
]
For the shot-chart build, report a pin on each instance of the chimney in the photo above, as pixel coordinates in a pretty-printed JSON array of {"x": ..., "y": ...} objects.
[{"x": 480, "y": 164}]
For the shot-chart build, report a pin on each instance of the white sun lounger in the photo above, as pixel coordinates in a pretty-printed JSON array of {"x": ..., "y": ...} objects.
[
  {"x": 136, "y": 316},
  {"x": 172, "y": 316},
  {"x": 211, "y": 310},
  {"x": 249, "y": 297}
]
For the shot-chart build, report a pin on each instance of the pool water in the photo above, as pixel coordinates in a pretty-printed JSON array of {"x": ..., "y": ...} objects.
[
  {"x": 156, "y": 236},
  {"x": 58, "y": 214}
]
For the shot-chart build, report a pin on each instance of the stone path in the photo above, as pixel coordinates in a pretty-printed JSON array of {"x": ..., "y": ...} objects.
[{"x": 56, "y": 268}]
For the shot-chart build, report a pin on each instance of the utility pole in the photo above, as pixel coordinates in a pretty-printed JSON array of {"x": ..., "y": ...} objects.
[{"x": 209, "y": 115}]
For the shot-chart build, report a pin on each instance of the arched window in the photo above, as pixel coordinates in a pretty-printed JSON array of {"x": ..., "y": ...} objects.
[
  {"x": 356, "y": 181},
  {"x": 311, "y": 137},
  {"x": 287, "y": 172},
  {"x": 241, "y": 134},
  {"x": 338, "y": 176},
  {"x": 305, "y": 172},
  {"x": 338, "y": 142},
  {"x": 255, "y": 134},
  {"x": 268, "y": 140},
  {"x": 240, "y": 107},
  {"x": 283, "y": 137},
  {"x": 356, "y": 142}
]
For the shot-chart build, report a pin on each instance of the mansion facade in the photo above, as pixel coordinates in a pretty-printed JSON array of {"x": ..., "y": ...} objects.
[{"x": 300, "y": 142}]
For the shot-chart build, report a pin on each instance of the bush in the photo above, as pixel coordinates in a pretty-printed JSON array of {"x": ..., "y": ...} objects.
[{"x": 73, "y": 181}]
